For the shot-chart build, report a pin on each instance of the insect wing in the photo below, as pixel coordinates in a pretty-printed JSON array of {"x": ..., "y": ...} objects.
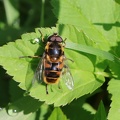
[
  {"x": 67, "y": 77},
  {"x": 39, "y": 71}
]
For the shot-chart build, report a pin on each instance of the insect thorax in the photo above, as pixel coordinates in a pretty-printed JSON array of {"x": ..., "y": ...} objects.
[{"x": 54, "y": 50}]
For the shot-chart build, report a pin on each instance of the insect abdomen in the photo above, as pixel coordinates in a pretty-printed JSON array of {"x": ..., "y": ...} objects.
[
  {"x": 52, "y": 72},
  {"x": 52, "y": 77}
]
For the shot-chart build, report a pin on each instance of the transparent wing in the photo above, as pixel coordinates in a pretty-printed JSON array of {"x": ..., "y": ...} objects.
[
  {"x": 39, "y": 70},
  {"x": 67, "y": 77}
]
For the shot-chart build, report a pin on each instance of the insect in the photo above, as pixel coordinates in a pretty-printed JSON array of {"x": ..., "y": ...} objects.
[{"x": 53, "y": 64}]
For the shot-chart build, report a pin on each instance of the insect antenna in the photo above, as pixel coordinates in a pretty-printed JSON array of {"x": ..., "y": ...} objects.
[{"x": 41, "y": 35}]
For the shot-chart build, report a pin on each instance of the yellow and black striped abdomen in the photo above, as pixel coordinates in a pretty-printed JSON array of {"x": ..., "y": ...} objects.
[{"x": 52, "y": 72}]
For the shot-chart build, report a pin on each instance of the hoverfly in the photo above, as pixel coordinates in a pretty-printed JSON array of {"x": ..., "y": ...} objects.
[{"x": 52, "y": 63}]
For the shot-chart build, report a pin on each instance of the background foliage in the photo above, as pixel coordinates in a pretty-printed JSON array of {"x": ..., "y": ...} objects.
[{"x": 92, "y": 32}]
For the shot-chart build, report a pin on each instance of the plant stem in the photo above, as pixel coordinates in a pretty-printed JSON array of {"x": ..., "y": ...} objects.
[{"x": 42, "y": 14}]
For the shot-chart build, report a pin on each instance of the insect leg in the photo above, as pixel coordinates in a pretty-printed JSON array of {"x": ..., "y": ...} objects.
[
  {"x": 46, "y": 89},
  {"x": 69, "y": 59},
  {"x": 59, "y": 86},
  {"x": 64, "y": 42},
  {"x": 30, "y": 56}
]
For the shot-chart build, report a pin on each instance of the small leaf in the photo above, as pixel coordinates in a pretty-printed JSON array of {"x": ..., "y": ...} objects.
[
  {"x": 91, "y": 50},
  {"x": 57, "y": 114},
  {"x": 11, "y": 7},
  {"x": 113, "y": 88},
  {"x": 101, "y": 113}
]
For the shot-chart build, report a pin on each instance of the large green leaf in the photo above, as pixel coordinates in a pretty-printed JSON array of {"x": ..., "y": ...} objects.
[
  {"x": 68, "y": 12},
  {"x": 10, "y": 54},
  {"x": 83, "y": 69},
  {"x": 83, "y": 73},
  {"x": 83, "y": 43},
  {"x": 104, "y": 16}
]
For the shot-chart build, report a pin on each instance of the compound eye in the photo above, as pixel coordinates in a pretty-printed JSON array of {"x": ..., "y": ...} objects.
[
  {"x": 52, "y": 38},
  {"x": 58, "y": 39}
]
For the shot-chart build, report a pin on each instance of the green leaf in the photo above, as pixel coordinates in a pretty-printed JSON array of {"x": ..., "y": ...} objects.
[
  {"x": 12, "y": 13},
  {"x": 107, "y": 21},
  {"x": 10, "y": 59},
  {"x": 15, "y": 92},
  {"x": 101, "y": 113},
  {"x": 26, "y": 104},
  {"x": 5, "y": 116},
  {"x": 4, "y": 99},
  {"x": 57, "y": 114},
  {"x": 68, "y": 12},
  {"x": 91, "y": 50},
  {"x": 89, "y": 108},
  {"x": 82, "y": 43},
  {"x": 113, "y": 88},
  {"x": 22, "y": 69},
  {"x": 79, "y": 109},
  {"x": 83, "y": 77},
  {"x": 115, "y": 69},
  {"x": 25, "y": 108}
]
